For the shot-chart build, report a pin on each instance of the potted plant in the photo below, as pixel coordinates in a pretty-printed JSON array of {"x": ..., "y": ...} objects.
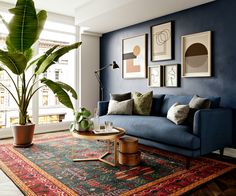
[
  {"x": 82, "y": 120},
  {"x": 24, "y": 30}
]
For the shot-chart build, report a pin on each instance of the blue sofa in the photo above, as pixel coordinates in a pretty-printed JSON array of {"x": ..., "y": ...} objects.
[{"x": 212, "y": 128}]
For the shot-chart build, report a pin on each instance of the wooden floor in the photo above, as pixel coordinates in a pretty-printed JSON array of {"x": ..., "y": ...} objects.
[{"x": 224, "y": 185}]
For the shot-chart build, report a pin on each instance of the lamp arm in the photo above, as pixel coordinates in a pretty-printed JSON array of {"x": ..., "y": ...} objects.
[
  {"x": 100, "y": 83},
  {"x": 103, "y": 68}
]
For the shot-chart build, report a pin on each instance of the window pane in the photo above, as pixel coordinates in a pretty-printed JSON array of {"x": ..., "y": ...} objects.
[
  {"x": 8, "y": 108},
  {"x": 50, "y": 109}
]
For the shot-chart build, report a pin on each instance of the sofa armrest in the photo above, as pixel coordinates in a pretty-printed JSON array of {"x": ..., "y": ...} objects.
[
  {"x": 214, "y": 128},
  {"x": 102, "y": 107}
]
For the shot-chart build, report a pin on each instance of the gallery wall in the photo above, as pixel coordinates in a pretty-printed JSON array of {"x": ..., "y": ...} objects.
[{"x": 218, "y": 17}]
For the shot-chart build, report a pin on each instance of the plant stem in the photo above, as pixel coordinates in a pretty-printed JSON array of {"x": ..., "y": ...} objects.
[
  {"x": 17, "y": 91},
  {"x": 10, "y": 94}
]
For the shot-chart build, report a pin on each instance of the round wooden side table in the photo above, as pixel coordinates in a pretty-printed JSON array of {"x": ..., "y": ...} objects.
[
  {"x": 128, "y": 151},
  {"x": 111, "y": 137}
]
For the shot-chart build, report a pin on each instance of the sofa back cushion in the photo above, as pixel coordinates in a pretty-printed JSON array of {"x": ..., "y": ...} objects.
[
  {"x": 215, "y": 102},
  {"x": 156, "y": 105},
  {"x": 169, "y": 100}
]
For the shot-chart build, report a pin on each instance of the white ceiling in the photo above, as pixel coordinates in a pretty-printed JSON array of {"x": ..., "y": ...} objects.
[{"x": 107, "y": 15}]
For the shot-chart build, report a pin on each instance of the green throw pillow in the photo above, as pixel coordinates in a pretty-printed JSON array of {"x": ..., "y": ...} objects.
[{"x": 142, "y": 103}]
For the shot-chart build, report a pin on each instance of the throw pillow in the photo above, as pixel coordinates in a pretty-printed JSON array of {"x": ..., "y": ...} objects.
[
  {"x": 142, "y": 103},
  {"x": 199, "y": 103},
  {"x": 120, "y": 97},
  {"x": 196, "y": 103},
  {"x": 178, "y": 113},
  {"x": 123, "y": 107}
]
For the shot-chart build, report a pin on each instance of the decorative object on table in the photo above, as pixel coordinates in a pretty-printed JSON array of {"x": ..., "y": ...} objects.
[
  {"x": 134, "y": 57},
  {"x": 159, "y": 170},
  {"x": 128, "y": 151},
  {"x": 142, "y": 103},
  {"x": 96, "y": 120},
  {"x": 108, "y": 126},
  {"x": 161, "y": 42},
  {"x": 171, "y": 76},
  {"x": 24, "y": 30},
  {"x": 155, "y": 76},
  {"x": 81, "y": 121},
  {"x": 120, "y": 107},
  {"x": 97, "y": 74},
  {"x": 178, "y": 113},
  {"x": 120, "y": 97},
  {"x": 196, "y": 55}
]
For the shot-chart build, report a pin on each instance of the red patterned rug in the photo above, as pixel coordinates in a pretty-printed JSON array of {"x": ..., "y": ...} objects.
[{"x": 47, "y": 169}]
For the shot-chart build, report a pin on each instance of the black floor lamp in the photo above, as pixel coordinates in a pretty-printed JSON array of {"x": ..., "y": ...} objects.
[{"x": 97, "y": 74}]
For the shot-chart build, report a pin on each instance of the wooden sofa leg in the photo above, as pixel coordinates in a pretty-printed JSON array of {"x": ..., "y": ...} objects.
[
  {"x": 221, "y": 152},
  {"x": 188, "y": 162}
]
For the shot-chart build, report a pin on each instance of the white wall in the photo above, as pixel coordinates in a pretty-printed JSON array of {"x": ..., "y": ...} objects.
[{"x": 89, "y": 62}]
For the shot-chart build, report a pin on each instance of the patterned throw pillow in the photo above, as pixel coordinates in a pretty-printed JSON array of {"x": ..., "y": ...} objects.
[
  {"x": 120, "y": 97},
  {"x": 121, "y": 108},
  {"x": 142, "y": 103},
  {"x": 178, "y": 113}
]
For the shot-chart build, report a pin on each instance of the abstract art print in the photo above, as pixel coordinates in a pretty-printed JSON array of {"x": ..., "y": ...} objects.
[
  {"x": 196, "y": 55},
  {"x": 171, "y": 75},
  {"x": 155, "y": 76},
  {"x": 134, "y": 57},
  {"x": 161, "y": 42}
]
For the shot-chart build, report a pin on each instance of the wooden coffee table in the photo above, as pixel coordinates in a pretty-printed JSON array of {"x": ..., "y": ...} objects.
[{"x": 110, "y": 137}]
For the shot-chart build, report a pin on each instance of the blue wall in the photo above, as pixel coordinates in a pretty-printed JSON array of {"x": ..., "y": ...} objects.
[{"x": 218, "y": 17}]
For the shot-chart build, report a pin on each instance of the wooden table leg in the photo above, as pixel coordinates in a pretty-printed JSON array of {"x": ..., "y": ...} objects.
[{"x": 115, "y": 152}]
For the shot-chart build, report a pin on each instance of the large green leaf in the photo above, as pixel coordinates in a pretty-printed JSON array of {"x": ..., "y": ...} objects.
[
  {"x": 44, "y": 56},
  {"x": 52, "y": 58},
  {"x": 38, "y": 61},
  {"x": 68, "y": 88},
  {"x": 23, "y": 27},
  {"x": 62, "y": 95},
  {"x": 42, "y": 17},
  {"x": 14, "y": 61}
]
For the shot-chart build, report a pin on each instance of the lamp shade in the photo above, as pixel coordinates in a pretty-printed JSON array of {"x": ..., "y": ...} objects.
[{"x": 114, "y": 65}]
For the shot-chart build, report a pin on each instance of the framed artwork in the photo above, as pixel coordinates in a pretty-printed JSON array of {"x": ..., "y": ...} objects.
[
  {"x": 171, "y": 75},
  {"x": 155, "y": 76},
  {"x": 161, "y": 42},
  {"x": 196, "y": 55},
  {"x": 134, "y": 57}
]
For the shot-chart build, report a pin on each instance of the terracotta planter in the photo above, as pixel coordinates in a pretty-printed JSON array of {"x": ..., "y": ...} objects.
[{"x": 23, "y": 135}]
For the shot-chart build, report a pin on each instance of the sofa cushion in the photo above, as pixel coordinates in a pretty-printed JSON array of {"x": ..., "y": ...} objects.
[
  {"x": 178, "y": 113},
  {"x": 155, "y": 128},
  {"x": 142, "y": 103},
  {"x": 121, "y": 107},
  {"x": 169, "y": 100},
  {"x": 156, "y": 105},
  {"x": 120, "y": 97},
  {"x": 199, "y": 103},
  {"x": 215, "y": 102}
]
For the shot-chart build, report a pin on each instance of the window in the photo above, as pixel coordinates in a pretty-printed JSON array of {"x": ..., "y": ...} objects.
[
  {"x": 45, "y": 105},
  {"x": 45, "y": 74},
  {"x": 57, "y": 74}
]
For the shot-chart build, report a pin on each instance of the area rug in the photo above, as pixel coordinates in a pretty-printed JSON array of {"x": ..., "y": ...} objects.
[{"x": 47, "y": 169}]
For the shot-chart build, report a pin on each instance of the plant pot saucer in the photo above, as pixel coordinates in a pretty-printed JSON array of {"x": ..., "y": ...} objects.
[{"x": 22, "y": 145}]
